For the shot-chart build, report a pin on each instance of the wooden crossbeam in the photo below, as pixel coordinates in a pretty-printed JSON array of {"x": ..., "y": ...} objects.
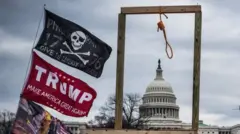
[{"x": 164, "y": 9}]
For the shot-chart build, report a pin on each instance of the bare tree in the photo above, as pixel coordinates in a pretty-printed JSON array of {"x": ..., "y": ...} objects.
[
  {"x": 131, "y": 115},
  {"x": 6, "y": 120}
]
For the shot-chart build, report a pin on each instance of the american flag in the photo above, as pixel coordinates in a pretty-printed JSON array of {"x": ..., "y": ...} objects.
[{"x": 62, "y": 130}]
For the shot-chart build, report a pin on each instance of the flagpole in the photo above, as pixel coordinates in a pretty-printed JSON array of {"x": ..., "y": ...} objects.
[
  {"x": 28, "y": 65},
  {"x": 30, "y": 59}
]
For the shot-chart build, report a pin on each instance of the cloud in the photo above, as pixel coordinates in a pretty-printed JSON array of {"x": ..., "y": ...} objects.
[
  {"x": 11, "y": 81},
  {"x": 144, "y": 46}
]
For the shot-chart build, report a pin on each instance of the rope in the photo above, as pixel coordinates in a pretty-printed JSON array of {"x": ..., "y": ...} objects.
[
  {"x": 33, "y": 45},
  {"x": 38, "y": 26},
  {"x": 161, "y": 26}
]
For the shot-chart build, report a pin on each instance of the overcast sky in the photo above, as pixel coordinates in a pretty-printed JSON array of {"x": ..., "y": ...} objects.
[{"x": 144, "y": 46}]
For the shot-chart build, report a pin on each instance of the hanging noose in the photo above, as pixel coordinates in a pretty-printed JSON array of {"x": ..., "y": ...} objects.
[{"x": 161, "y": 26}]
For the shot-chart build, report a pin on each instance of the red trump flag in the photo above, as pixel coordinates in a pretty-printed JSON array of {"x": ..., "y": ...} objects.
[{"x": 58, "y": 90}]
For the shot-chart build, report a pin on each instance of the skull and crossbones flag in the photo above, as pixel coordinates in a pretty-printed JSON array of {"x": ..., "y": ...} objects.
[{"x": 73, "y": 45}]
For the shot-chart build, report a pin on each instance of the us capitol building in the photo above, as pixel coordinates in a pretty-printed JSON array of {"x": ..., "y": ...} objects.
[{"x": 161, "y": 111}]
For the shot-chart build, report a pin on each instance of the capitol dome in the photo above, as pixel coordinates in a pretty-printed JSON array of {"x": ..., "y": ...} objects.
[
  {"x": 159, "y": 84},
  {"x": 159, "y": 101}
]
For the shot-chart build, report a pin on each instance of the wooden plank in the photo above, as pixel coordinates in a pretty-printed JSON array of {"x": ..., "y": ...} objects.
[
  {"x": 137, "y": 132},
  {"x": 120, "y": 70},
  {"x": 196, "y": 70},
  {"x": 164, "y": 9}
]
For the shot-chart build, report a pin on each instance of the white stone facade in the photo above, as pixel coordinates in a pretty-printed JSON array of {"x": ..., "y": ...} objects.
[
  {"x": 235, "y": 129},
  {"x": 76, "y": 127}
]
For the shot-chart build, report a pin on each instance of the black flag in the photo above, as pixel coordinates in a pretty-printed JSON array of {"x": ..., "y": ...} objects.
[{"x": 73, "y": 45}]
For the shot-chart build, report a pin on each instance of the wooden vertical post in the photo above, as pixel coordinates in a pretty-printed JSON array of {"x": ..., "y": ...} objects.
[
  {"x": 120, "y": 70},
  {"x": 196, "y": 70}
]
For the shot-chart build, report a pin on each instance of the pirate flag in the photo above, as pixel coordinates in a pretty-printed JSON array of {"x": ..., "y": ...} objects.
[{"x": 73, "y": 45}]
